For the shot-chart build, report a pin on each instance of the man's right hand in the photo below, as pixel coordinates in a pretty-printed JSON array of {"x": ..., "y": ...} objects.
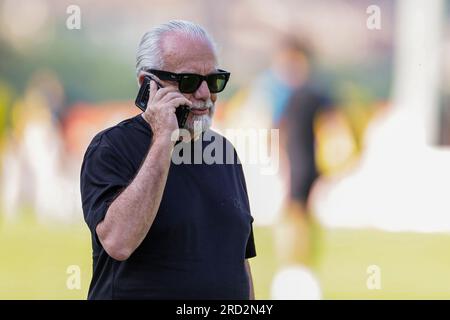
[{"x": 161, "y": 107}]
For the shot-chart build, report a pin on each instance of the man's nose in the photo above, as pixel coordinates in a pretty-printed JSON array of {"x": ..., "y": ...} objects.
[{"x": 202, "y": 92}]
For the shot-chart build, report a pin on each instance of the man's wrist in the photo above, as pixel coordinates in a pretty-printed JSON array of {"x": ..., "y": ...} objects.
[{"x": 163, "y": 141}]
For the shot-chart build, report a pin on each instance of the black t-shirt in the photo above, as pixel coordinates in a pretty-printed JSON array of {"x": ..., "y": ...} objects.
[{"x": 202, "y": 233}]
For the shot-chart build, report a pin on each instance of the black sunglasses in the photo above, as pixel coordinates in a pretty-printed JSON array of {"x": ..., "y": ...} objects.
[{"x": 190, "y": 82}]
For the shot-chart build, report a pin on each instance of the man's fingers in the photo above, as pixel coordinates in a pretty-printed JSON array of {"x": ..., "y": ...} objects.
[
  {"x": 171, "y": 95},
  {"x": 163, "y": 91},
  {"x": 179, "y": 102},
  {"x": 167, "y": 97},
  {"x": 152, "y": 90}
]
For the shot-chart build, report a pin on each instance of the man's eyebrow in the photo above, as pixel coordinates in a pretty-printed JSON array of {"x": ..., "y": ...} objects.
[{"x": 188, "y": 71}]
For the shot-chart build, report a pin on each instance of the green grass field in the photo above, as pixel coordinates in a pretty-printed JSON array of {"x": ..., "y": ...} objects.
[{"x": 34, "y": 261}]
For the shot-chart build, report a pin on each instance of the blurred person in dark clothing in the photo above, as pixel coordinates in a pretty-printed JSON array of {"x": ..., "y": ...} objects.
[
  {"x": 297, "y": 131},
  {"x": 302, "y": 111}
]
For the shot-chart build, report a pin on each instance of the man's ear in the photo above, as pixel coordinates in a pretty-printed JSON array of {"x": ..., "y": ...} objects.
[{"x": 140, "y": 78}]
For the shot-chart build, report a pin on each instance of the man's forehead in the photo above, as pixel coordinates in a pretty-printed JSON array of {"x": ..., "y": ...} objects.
[{"x": 182, "y": 53}]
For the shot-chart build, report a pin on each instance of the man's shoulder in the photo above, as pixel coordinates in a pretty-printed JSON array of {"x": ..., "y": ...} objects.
[
  {"x": 116, "y": 137},
  {"x": 216, "y": 136},
  {"x": 120, "y": 132}
]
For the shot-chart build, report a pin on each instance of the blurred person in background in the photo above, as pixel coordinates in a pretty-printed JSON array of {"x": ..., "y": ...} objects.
[
  {"x": 285, "y": 96},
  {"x": 260, "y": 106},
  {"x": 33, "y": 172},
  {"x": 161, "y": 230},
  {"x": 265, "y": 100},
  {"x": 297, "y": 119}
]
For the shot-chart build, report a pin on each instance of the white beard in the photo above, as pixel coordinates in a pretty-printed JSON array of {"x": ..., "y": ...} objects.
[{"x": 196, "y": 124}]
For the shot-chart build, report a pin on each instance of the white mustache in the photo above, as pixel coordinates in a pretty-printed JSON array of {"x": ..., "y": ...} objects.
[{"x": 202, "y": 106}]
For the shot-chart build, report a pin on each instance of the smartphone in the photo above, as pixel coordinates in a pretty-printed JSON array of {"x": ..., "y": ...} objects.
[{"x": 182, "y": 112}]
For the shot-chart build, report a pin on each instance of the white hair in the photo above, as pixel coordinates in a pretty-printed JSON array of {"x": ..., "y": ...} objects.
[{"x": 149, "y": 53}]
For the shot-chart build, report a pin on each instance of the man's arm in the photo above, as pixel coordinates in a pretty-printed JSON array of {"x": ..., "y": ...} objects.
[
  {"x": 250, "y": 280},
  {"x": 132, "y": 213}
]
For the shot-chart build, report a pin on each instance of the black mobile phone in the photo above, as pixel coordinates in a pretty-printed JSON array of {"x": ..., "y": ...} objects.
[{"x": 182, "y": 112}]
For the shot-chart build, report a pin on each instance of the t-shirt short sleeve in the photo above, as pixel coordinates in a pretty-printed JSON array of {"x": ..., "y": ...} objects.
[
  {"x": 250, "y": 250},
  {"x": 104, "y": 174}
]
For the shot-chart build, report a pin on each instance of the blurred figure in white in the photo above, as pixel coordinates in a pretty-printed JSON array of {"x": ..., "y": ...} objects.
[{"x": 33, "y": 170}]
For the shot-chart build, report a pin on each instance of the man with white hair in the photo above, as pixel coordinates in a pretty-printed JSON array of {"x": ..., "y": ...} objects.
[{"x": 162, "y": 230}]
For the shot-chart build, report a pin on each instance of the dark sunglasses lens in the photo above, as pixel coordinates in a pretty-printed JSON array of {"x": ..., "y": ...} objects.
[
  {"x": 189, "y": 84},
  {"x": 216, "y": 83}
]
